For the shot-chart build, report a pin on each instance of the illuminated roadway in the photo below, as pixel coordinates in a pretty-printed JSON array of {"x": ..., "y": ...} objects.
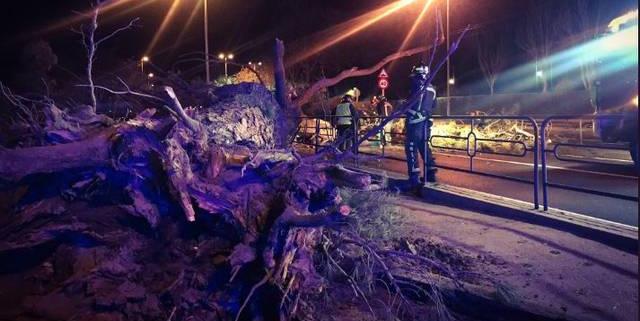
[{"x": 617, "y": 178}]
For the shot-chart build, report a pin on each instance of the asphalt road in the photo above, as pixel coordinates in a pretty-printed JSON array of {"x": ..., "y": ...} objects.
[{"x": 616, "y": 177}]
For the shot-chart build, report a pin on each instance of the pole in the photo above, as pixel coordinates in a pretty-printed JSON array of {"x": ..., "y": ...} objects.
[
  {"x": 206, "y": 42},
  {"x": 226, "y": 74},
  {"x": 448, "y": 66}
]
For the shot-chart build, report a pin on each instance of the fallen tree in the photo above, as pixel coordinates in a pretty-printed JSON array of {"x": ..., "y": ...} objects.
[{"x": 179, "y": 213}]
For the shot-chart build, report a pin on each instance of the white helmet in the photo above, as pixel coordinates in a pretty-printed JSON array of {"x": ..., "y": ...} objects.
[{"x": 421, "y": 69}]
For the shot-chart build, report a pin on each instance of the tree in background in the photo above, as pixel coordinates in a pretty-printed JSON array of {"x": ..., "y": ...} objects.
[
  {"x": 491, "y": 58},
  {"x": 581, "y": 24},
  {"x": 536, "y": 37}
]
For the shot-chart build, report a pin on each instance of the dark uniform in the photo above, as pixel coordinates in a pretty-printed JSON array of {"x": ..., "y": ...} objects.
[{"x": 418, "y": 126}]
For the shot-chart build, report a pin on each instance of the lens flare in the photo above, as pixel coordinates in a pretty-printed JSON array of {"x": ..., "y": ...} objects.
[
  {"x": 194, "y": 13},
  {"x": 163, "y": 26},
  {"x": 105, "y": 7},
  {"x": 413, "y": 29},
  {"x": 347, "y": 29},
  {"x": 611, "y": 53},
  {"x": 416, "y": 23}
]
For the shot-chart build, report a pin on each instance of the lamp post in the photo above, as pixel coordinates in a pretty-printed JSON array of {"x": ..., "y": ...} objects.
[
  {"x": 225, "y": 58},
  {"x": 142, "y": 61},
  {"x": 448, "y": 66},
  {"x": 254, "y": 65},
  {"x": 207, "y": 68}
]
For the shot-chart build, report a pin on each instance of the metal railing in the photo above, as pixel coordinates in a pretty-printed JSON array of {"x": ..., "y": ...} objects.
[
  {"x": 471, "y": 145},
  {"x": 580, "y": 145},
  {"x": 539, "y": 147},
  {"x": 472, "y": 150}
]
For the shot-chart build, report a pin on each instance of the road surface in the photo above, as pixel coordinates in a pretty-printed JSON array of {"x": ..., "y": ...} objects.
[{"x": 618, "y": 177}]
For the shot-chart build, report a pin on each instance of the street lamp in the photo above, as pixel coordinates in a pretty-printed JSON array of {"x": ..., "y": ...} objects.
[
  {"x": 255, "y": 65},
  {"x": 142, "y": 61},
  {"x": 452, "y": 81},
  {"x": 539, "y": 73},
  {"x": 226, "y": 59}
]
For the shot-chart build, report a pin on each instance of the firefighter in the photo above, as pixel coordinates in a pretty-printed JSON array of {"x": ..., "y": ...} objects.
[
  {"x": 345, "y": 120},
  {"x": 418, "y": 126}
]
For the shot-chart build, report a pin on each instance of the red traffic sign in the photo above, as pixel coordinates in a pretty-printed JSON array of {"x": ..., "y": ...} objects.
[
  {"x": 383, "y": 83},
  {"x": 383, "y": 74}
]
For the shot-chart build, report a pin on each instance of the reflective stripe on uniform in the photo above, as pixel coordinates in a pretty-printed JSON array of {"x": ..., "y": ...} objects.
[
  {"x": 433, "y": 90},
  {"x": 343, "y": 114}
]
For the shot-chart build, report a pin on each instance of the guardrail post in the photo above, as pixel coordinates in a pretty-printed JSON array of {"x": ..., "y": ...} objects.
[
  {"x": 475, "y": 146},
  {"x": 354, "y": 148},
  {"x": 536, "y": 146},
  {"x": 543, "y": 158},
  {"x": 425, "y": 154},
  {"x": 580, "y": 132},
  {"x": 317, "y": 135}
]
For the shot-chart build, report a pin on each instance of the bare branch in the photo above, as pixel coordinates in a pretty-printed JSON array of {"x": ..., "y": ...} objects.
[
  {"x": 131, "y": 24},
  {"x": 402, "y": 109},
  {"x": 355, "y": 72},
  {"x": 125, "y": 92}
]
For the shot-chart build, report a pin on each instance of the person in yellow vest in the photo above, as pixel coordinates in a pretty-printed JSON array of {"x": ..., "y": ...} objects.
[{"x": 345, "y": 119}]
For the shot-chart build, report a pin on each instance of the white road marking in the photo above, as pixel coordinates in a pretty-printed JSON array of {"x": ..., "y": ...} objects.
[
  {"x": 548, "y": 166},
  {"x": 601, "y": 158}
]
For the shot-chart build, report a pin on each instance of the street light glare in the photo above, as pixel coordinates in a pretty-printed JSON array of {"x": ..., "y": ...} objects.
[
  {"x": 452, "y": 81},
  {"x": 145, "y": 59},
  {"x": 342, "y": 31},
  {"x": 230, "y": 56},
  {"x": 150, "y": 75},
  {"x": 220, "y": 56}
]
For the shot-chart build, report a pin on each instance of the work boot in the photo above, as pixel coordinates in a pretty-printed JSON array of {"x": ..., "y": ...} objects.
[
  {"x": 412, "y": 186},
  {"x": 431, "y": 176}
]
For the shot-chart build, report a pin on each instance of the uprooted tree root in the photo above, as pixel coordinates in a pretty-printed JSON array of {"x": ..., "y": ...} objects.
[
  {"x": 154, "y": 219},
  {"x": 189, "y": 214}
]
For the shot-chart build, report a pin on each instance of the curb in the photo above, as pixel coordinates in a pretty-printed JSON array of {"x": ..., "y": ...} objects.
[{"x": 616, "y": 235}]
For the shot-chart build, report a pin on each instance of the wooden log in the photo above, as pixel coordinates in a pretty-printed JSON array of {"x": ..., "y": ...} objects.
[{"x": 15, "y": 164}]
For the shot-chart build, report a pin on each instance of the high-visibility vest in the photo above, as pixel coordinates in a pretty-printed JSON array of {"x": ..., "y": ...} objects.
[{"x": 343, "y": 114}]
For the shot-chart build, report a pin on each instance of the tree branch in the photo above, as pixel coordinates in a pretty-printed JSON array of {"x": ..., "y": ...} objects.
[
  {"x": 130, "y": 25},
  {"x": 354, "y": 72}
]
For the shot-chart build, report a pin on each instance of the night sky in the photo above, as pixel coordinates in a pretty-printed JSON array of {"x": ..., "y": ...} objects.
[{"x": 247, "y": 28}]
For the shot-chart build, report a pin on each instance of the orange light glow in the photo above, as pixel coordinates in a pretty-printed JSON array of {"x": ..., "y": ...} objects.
[
  {"x": 194, "y": 13},
  {"x": 106, "y": 7},
  {"x": 165, "y": 22},
  {"x": 416, "y": 23},
  {"x": 349, "y": 28},
  {"x": 413, "y": 29}
]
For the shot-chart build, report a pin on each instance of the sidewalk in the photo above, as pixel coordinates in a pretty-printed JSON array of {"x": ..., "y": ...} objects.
[{"x": 573, "y": 277}]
